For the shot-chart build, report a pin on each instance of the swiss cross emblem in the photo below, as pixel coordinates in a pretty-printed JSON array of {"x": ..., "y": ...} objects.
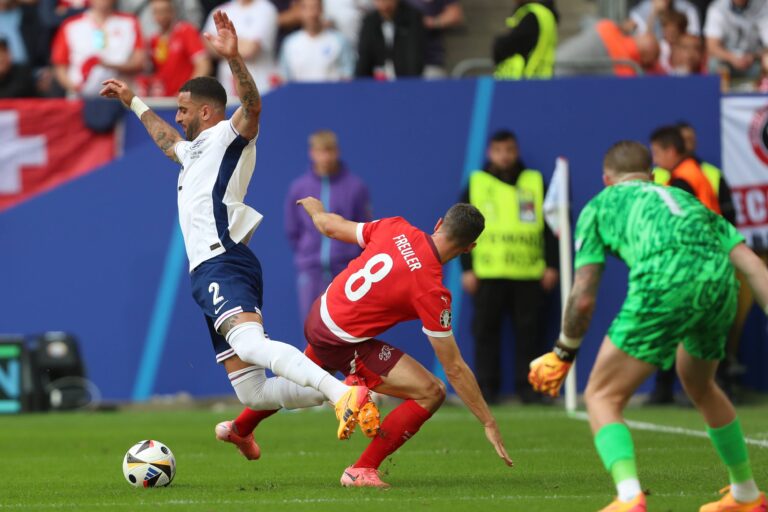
[{"x": 16, "y": 152}]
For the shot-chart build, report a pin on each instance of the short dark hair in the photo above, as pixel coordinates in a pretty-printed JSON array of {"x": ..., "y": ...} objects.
[
  {"x": 206, "y": 88},
  {"x": 502, "y": 136},
  {"x": 669, "y": 136},
  {"x": 463, "y": 223},
  {"x": 3, "y": 44},
  {"x": 683, "y": 125},
  {"x": 628, "y": 156}
]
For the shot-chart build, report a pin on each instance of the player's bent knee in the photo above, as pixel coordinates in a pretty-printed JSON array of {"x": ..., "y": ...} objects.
[
  {"x": 600, "y": 396},
  {"x": 698, "y": 390},
  {"x": 245, "y": 339},
  {"x": 435, "y": 392}
]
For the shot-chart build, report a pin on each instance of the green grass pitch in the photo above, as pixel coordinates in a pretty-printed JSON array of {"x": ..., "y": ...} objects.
[{"x": 73, "y": 462}]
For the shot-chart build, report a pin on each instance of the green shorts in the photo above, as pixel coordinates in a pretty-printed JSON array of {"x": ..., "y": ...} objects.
[{"x": 697, "y": 313}]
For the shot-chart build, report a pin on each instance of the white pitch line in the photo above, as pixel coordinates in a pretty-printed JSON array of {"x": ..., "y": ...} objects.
[{"x": 653, "y": 427}]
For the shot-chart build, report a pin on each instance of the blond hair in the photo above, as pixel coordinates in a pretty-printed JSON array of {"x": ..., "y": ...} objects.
[{"x": 323, "y": 138}]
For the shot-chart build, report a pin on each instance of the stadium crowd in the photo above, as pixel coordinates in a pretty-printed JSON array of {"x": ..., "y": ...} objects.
[{"x": 59, "y": 48}]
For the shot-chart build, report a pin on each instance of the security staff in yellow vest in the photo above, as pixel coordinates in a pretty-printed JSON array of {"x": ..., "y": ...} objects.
[
  {"x": 527, "y": 50},
  {"x": 713, "y": 174},
  {"x": 513, "y": 266}
]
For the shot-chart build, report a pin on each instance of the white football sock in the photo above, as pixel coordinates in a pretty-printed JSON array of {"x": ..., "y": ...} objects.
[
  {"x": 628, "y": 489},
  {"x": 252, "y": 346},
  {"x": 744, "y": 492},
  {"x": 256, "y": 391}
]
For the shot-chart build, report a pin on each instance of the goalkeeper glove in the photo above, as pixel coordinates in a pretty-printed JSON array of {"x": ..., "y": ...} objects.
[{"x": 549, "y": 371}]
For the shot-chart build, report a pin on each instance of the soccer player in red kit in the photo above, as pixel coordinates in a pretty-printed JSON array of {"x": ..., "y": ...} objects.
[{"x": 398, "y": 277}]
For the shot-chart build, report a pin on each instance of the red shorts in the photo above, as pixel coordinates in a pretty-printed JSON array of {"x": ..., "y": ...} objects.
[{"x": 369, "y": 360}]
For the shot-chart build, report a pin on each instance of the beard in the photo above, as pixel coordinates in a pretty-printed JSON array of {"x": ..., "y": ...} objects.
[{"x": 193, "y": 129}]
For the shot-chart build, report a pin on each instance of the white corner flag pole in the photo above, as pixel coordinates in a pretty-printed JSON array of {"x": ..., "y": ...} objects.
[{"x": 566, "y": 267}]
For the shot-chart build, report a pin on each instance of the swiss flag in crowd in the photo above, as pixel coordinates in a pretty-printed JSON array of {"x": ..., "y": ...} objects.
[{"x": 44, "y": 144}]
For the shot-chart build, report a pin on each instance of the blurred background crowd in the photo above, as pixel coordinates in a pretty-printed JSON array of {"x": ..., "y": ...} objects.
[{"x": 55, "y": 48}]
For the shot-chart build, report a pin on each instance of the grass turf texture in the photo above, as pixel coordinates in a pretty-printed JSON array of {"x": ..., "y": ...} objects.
[{"x": 73, "y": 462}]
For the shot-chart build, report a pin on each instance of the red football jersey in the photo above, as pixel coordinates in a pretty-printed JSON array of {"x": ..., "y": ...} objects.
[
  {"x": 398, "y": 277},
  {"x": 174, "y": 54}
]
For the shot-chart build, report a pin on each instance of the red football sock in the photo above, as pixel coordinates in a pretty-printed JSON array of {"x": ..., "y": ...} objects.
[
  {"x": 248, "y": 419},
  {"x": 399, "y": 426}
]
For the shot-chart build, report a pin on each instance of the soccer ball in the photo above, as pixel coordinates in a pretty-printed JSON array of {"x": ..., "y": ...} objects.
[{"x": 149, "y": 464}]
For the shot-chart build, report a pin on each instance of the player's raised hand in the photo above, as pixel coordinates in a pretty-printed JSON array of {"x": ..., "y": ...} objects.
[
  {"x": 494, "y": 436},
  {"x": 548, "y": 373},
  {"x": 225, "y": 39},
  {"x": 114, "y": 88},
  {"x": 311, "y": 205}
]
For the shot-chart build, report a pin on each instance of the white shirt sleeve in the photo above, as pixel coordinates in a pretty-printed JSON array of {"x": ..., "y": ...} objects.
[
  {"x": 715, "y": 25},
  {"x": 360, "y": 238},
  {"x": 642, "y": 23},
  {"x": 694, "y": 23},
  {"x": 181, "y": 149},
  {"x": 263, "y": 28},
  {"x": 210, "y": 26}
]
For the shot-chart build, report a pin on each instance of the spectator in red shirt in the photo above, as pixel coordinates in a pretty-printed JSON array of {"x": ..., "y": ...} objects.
[{"x": 177, "y": 51}]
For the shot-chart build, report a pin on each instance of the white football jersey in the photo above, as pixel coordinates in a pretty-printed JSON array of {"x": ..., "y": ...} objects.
[{"x": 216, "y": 169}]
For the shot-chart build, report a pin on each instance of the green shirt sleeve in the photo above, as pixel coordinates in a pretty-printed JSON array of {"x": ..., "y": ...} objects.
[
  {"x": 590, "y": 248},
  {"x": 729, "y": 236}
]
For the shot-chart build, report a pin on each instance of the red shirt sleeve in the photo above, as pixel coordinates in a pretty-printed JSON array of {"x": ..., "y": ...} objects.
[
  {"x": 60, "y": 48},
  {"x": 365, "y": 231},
  {"x": 434, "y": 310},
  {"x": 193, "y": 41}
]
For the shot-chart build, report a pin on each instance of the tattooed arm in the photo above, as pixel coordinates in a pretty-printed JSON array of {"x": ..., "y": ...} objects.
[
  {"x": 246, "y": 117},
  {"x": 164, "y": 135},
  {"x": 581, "y": 301}
]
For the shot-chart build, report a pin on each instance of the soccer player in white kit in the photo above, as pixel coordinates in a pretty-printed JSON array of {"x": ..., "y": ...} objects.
[{"x": 218, "y": 158}]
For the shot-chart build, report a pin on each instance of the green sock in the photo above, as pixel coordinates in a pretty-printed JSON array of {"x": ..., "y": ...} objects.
[
  {"x": 616, "y": 450},
  {"x": 730, "y": 446}
]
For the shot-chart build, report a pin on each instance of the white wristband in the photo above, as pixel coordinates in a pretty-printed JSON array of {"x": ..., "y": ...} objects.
[
  {"x": 569, "y": 342},
  {"x": 138, "y": 106}
]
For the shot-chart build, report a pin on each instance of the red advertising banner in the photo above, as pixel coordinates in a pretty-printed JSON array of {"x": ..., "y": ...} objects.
[{"x": 43, "y": 144}]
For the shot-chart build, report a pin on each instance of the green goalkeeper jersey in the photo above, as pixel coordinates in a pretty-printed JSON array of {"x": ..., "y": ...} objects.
[{"x": 661, "y": 233}]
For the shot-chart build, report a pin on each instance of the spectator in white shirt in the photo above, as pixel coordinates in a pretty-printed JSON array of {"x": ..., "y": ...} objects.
[
  {"x": 256, "y": 25},
  {"x": 736, "y": 32},
  {"x": 646, "y": 16},
  {"x": 314, "y": 53}
]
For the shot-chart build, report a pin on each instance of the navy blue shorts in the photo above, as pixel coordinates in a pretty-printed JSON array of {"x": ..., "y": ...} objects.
[{"x": 226, "y": 285}]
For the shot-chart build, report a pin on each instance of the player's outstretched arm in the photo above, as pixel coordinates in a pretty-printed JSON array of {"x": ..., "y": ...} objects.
[
  {"x": 464, "y": 382},
  {"x": 331, "y": 225},
  {"x": 224, "y": 42},
  {"x": 753, "y": 268},
  {"x": 549, "y": 371},
  {"x": 164, "y": 135}
]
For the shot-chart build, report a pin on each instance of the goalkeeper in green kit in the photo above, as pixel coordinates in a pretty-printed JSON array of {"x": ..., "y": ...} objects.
[{"x": 680, "y": 303}]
